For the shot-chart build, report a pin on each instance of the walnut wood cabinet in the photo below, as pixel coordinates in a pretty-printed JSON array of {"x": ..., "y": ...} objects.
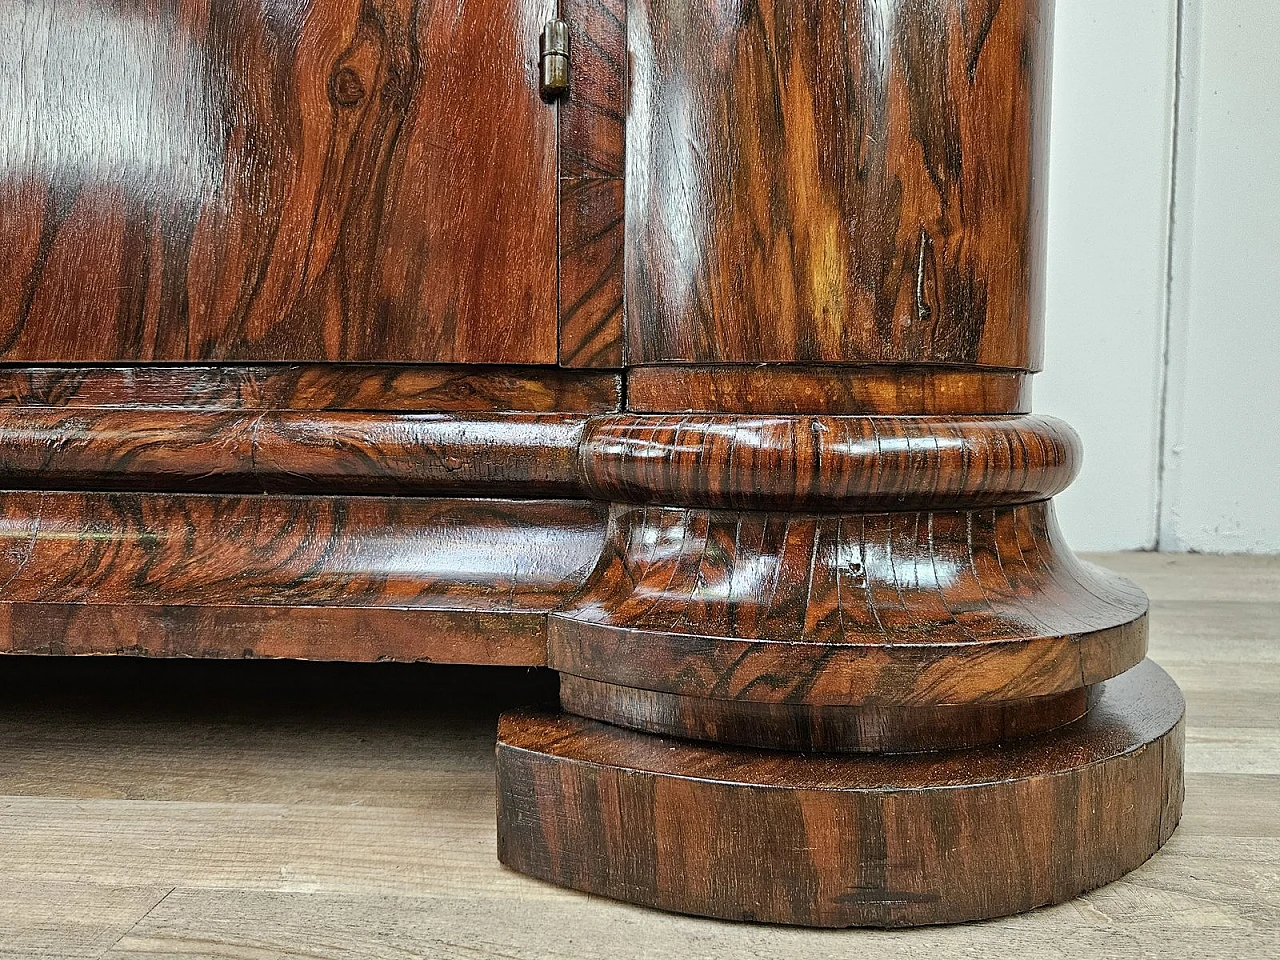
[{"x": 706, "y": 384}]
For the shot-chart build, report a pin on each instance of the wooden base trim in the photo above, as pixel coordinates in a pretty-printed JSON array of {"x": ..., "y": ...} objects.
[
  {"x": 849, "y": 464},
  {"x": 826, "y": 729},
  {"x": 358, "y": 578},
  {"x": 853, "y": 464},
  {"x": 418, "y": 388},
  {"x": 847, "y": 609},
  {"x": 348, "y": 634},
  {"x": 287, "y": 451},
  {"x": 781, "y": 389},
  {"x": 838, "y": 841}
]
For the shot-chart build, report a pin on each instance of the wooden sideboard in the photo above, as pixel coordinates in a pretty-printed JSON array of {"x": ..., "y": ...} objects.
[{"x": 705, "y": 383}]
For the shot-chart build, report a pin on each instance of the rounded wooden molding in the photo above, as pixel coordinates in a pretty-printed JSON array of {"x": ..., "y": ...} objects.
[
  {"x": 289, "y": 451},
  {"x": 854, "y": 840},
  {"x": 825, "y": 729},
  {"x": 908, "y": 609},
  {"x": 828, "y": 463}
]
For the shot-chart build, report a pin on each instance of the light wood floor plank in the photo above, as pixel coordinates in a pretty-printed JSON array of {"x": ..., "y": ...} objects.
[{"x": 69, "y": 921}]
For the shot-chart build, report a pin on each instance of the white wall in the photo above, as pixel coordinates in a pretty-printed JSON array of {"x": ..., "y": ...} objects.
[
  {"x": 1162, "y": 345},
  {"x": 1111, "y": 151},
  {"x": 1222, "y": 443}
]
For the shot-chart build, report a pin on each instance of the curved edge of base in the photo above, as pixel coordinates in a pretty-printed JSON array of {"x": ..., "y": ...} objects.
[
  {"x": 822, "y": 728},
  {"x": 845, "y": 840},
  {"x": 842, "y": 610}
]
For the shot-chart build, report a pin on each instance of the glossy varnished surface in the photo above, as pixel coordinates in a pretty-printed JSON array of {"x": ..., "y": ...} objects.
[
  {"x": 901, "y": 391},
  {"x": 340, "y": 428},
  {"x": 280, "y": 451},
  {"x": 824, "y": 728},
  {"x": 321, "y": 180},
  {"x": 63, "y": 547},
  {"x": 853, "y": 551},
  {"x": 354, "y": 387},
  {"x": 837, "y": 182},
  {"x": 891, "y": 608},
  {"x": 358, "y": 578},
  {"x": 825, "y": 840},
  {"x": 828, "y": 463},
  {"x": 497, "y": 432},
  {"x": 592, "y": 148}
]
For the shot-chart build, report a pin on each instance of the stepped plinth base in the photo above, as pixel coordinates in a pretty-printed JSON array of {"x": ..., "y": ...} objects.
[{"x": 839, "y": 840}]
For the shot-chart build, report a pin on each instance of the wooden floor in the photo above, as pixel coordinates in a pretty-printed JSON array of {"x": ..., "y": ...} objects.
[{"x": 257, "y": 810}]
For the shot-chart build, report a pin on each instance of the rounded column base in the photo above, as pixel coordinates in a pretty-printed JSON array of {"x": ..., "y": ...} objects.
[
  {"x": 874, "y": 728},
  {"x": 845, "y": 840}
]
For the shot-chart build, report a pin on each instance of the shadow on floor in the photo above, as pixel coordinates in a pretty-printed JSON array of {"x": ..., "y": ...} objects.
[{"x": 263, "y": 690}]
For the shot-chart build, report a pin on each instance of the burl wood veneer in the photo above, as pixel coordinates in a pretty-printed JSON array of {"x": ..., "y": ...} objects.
[
  {"x": 199, "y": 180},
  {"x": 324, "y": 334}
]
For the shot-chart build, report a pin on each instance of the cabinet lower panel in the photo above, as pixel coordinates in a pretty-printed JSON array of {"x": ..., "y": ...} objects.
[
  {"x": 343, "y": 578},
  {"x": 347, "y": 634}
]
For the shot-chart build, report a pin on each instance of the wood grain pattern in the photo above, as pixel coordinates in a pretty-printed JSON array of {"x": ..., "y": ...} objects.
[
  {"x": 275, "y": 451},
  {"x": 837, "y": 182},
  {"x": 832, "y": 609},
  {"x": 423, "y": 553},
  {"x": 344, "y": 578},
  {"x": 592, "y": 149},
  {"x": 851, "y": 464},
  {"x": 110, "y": 429},
  {"x": 591, "y": 272},
  {"x": 863, "y": 840},
  {"x": 593, "y": 115},
  {"x": 824, "y": 728},
  {"x": 322, "y": 180},
  {"x": 903, "y": 391},
  {"x": 420, "y": 389},
  {"x": 350, "y": 634}
]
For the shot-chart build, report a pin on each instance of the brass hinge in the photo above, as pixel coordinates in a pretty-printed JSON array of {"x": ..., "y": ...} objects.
[{"x": 554, "y": 47}]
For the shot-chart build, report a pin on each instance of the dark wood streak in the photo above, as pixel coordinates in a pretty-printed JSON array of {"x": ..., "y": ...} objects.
[
  {"x": 947, "y": 607},
  {"x": 837, "y": 181},
  {"x": 828, "y": 463},
  {"x": 341, "y": 578},
  {"x": 837, "y": 841},
  {"x": 321, "y": 180},
  {"x": 420, "y": 389},
  {"x": 210, "y": 550},
  {"x": 592, "y": 150}
]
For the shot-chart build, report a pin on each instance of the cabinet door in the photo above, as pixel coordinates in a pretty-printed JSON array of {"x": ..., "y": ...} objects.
[{"x": 266, "y": 180}]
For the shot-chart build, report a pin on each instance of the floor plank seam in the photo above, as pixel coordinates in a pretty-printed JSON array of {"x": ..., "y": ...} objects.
[{"x": 134, "y": 926}]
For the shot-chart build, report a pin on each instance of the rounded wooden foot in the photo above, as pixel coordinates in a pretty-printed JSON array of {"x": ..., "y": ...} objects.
[{"x": 845, "y": 840}]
